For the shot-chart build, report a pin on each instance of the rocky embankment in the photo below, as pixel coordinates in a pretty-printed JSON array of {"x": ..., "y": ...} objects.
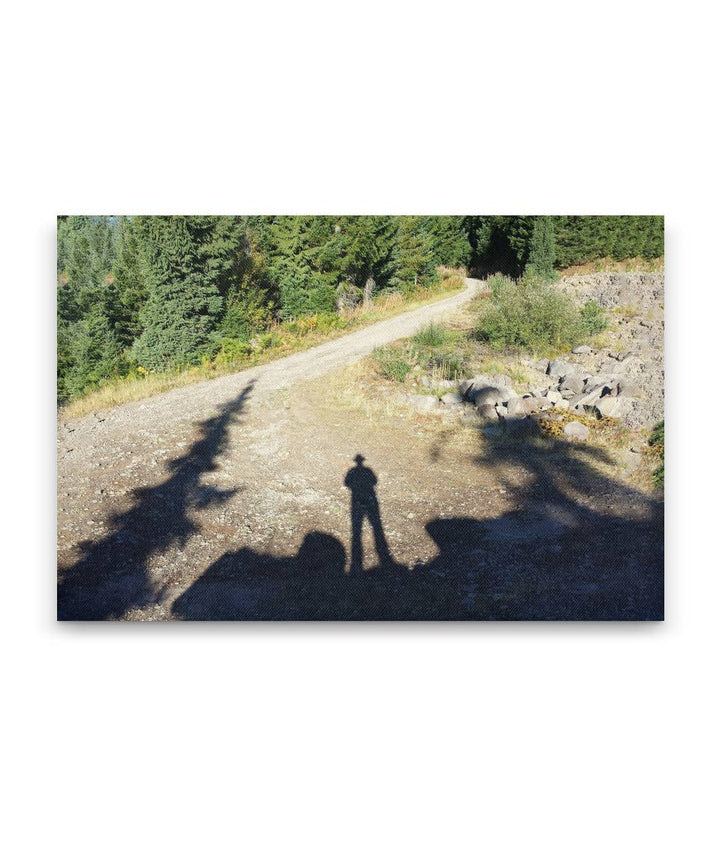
[{"x": 621, "y": 377}]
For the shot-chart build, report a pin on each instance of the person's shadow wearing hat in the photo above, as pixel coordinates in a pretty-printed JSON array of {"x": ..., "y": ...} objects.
[{"x": 363, "y": 503}]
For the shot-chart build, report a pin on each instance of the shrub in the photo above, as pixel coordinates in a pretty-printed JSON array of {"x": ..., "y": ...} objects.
[
  {"x": 530, "y": 314},
  {"x": 593, "y": 318},
  {"x": 391, "y": 363},
  {"x": 431, "y": 336},
  {"x": 232, "y": 351}
]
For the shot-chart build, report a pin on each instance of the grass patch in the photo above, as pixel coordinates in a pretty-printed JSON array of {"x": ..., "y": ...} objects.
[
  {"x": 608, "y": 265},
  {"x": 431, "y": 336},
  {"x": 391, "y": 363}
]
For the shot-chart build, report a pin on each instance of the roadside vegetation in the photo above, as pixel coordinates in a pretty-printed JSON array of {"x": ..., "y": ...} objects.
[
  {"x": 532, "y": 314},
  {"x": 279, "y": 340},
  {"x": 145, "y": 303}
]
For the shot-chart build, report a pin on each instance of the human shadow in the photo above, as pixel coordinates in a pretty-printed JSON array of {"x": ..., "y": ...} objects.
[
  {"x": 573, "y": 544},
  {"x": 112, "y": 577},
  {"x": 361, "y": 481}
]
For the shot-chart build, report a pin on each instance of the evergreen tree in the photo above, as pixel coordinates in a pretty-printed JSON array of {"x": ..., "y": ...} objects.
[
  {"x": 541, "y": 252},
  {"x": 414, "y": 258},
  {"x": 183, "y": 305}
]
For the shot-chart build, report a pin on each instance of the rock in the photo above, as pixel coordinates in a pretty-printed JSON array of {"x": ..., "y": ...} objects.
[
  {"x": 452, "y": 399},
  {"x": 573, "y": 382},
  {"x": 488, "y": 395},
  {"x": 554, "y": 396},
  {"x": 424, "y": 403},
  {"x": 613, "y": 407},
  {"x": 586, "y": 400},
  {"x": 628, "y": 388},
  {"x": 576, "y": 430},
  {"x": 515, "y": 407},
  {"x": 559, "y": 368},
  {"x": 501, "y": 410},
  {"x": 487, "y": 412},
  {"x": 426, "y": 381},
  {"x": 582, "y": 349}
]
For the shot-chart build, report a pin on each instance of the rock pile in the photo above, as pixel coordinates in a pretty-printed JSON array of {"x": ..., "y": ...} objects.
[{"x": 623, "y": 380}]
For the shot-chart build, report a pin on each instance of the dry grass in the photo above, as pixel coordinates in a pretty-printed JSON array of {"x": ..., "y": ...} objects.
[
  {"x": 607, "y": 265},
  {"x": 123, "y": 390}
]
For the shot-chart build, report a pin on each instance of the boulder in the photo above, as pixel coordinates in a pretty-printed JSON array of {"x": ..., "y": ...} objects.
[
  {"x": 452, "y": 399},
  {"x": 559, "y": 368},
  {"x": 515, "y": 407},
  {"x": 487, "y": 412},
  {"x": 573, "y": 382},
  {"x": 576, "y": 430},
  {"x": 488, "y": 395},
  {"x": 615, "y": 407},
  {"x": 555, "y": 396},
  {"x": 582, "y": 349}
]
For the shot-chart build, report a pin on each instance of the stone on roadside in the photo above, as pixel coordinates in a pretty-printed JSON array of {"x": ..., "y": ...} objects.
[
  {"x": 452, "y": 399},
  {"x": 487, "y": 412},
  {"x": 573, "y": 382},
  {"x": 576, "y": 430},
  {"x": 582, "y": 349},
  {"x": 615, "y": 407}
]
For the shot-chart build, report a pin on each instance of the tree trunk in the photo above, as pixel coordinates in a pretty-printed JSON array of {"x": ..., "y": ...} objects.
[{"x": 367, "y": 297}]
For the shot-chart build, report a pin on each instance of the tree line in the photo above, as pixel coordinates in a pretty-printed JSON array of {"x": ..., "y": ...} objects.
[{"x": 160, "y": 292}]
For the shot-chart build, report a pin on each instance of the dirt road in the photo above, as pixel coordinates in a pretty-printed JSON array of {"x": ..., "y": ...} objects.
[{"x": 289, "y": 490}]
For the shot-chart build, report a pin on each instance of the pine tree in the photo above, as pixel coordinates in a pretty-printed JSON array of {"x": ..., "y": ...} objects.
[
  {"x": 183, "y": 306},
  {"x": 541, "y": 251},
  {"x": 413, "y": 254}
]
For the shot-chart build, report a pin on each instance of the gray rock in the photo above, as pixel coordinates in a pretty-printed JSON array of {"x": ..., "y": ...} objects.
[
  {"x": 488, "y": 395},
  {"x": 582, "y": 349},
  {"x": 559, "y": 368},
  {"x": 576, "y": 430},
  {"x": 452, "y": 399},
  {"x": 572, "y": 382},
  {"x": 487, "y": 412},
  {"x": 555, "y": 396},
  {"x": 515, "y": 407},
  {"x": 424, "y": 403},
  {"x": 501, "y": 410},
  {"x": 613, "y": 407}
]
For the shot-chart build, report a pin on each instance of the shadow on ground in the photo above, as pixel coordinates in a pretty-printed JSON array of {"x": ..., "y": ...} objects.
[
  {"x": 111, "y": 577},
  {"x": 574, "y": 545},
  {"x": 577, "y": 546}
]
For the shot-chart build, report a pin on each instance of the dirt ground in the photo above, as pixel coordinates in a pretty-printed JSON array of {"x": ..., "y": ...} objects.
[{"x": 228, "y": 500}]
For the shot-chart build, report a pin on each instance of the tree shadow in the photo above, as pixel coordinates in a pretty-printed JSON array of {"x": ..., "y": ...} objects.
[
  {"x": 112, "y": 575},
  {"x": 576, "y": 545}
]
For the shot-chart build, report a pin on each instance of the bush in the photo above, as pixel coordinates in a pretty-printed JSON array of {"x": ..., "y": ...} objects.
[
  {"x": 593, "y": 318},
  {"x": 431, "y": 336},
  {"x": 232, "y": 351},
  {"x": 391, "y": 363},
  {"x": 531, "y": 314}
]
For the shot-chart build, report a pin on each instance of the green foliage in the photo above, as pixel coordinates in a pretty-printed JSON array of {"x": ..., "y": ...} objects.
[
  {"x": 433, "y": 335},
  {"x": 169, "y": 291},
  {"x": 541, "y": 254},
  {"x": 529, "y": 314},
  {"x": 391, "y": 363},
  {"x": 657, "y": 443},
  {"x": 184, "y": 302},
  {"x": 593, "y": 318}
]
